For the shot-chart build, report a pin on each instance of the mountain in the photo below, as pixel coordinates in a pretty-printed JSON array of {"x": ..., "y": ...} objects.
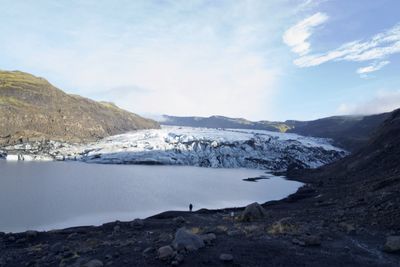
[
  {"x": 32, "y": 109},
  {"x": 223, "y": 122},
  {"x": 368, "y": 181},
  {"x": 348, "y": 132}
]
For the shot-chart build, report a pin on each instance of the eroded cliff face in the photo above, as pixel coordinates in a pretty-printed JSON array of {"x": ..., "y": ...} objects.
[{"x": 33, "y": 109}]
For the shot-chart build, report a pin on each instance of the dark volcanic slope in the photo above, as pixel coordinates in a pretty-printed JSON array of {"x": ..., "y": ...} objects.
[
  {"x": 368, "y": 180},
  {"x": 349, "y": 132},
  {"x": 30, "y": 107}
]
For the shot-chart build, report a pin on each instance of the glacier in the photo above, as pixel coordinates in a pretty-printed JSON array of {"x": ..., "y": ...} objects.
[{"x": 204, "y": 147}]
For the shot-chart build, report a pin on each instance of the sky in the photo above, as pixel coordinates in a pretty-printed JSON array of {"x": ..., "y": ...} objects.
[{"x": 254, "y": 59}]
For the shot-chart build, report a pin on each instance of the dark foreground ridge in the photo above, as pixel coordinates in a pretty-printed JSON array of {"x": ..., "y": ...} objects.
[
  {"x": 347, "y": 215},
  {"x": 33, "y": 109}
]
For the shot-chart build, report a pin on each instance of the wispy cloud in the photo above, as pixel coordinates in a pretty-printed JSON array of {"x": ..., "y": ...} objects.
[
  {"x": 384, "y": 101},
  {"x": 378, "y": 47},
  {"x": 187, "y": 57},
  {"x": 297, "y": 36},
  {"x": 375, "y": 66}
]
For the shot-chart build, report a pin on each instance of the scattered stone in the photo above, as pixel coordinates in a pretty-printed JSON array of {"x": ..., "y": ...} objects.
[
  {"x": 312, "y": 240},
  {"x": 165, "y": 253},
  {"x": 208, "y": 238},
  {"x": 253, "y": 212},
  {"x": 72, "y": 236},
  {"x": 148, "y": 251},
  {"x": 226, "y": 257},
  {"x": 186, "y": 240},
  {"x": 21, "y": 240},
  {"x": 392, "y": 244},
  {"x": 298, "y": 242},
  {"x": 283, "y": 226},
  {"x": 117, "y": 229},
  {"x": 94, "y": 263},
  {"x": 234, "y": 232},
  {"x": 179, "y": 257},
  {"x": 349, "y": 228},
  {"x": 137, "y": 224}
]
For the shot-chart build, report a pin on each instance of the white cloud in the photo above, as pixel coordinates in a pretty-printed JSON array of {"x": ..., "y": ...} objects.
[
  {"x": 378, "y": 47},
  {"x": 296, "y": 37},
  {"x": 188, "y": 58},
  {"x": 384, "y": 101},
  {"x": 375, "y": 66}
]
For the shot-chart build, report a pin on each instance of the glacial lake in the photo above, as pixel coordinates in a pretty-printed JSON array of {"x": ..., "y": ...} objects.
[{"x": 54, "y": 195}]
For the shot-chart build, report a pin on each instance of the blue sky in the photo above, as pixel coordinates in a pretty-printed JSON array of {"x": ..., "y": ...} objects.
[{"x": 274, "y": 60}]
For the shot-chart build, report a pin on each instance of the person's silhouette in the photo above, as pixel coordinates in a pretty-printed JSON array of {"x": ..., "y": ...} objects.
[{"x": 190, "y": 206}]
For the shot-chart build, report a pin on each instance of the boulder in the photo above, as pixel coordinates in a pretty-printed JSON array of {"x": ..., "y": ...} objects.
[
  {"x": 226, "y": 257},
  {"x": 312, "y": 240},
  {"x": 165, "y": 253},
  {"x": 253, "y": 212},
  {"x": 208, "y": 238},
  {"x": 392, "y": 244},
  {"x": 187, "y": 240}
]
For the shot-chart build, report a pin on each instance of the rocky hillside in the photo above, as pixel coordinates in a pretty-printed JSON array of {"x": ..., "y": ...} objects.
[
  {"x": 31, "y": 109},
  {"x": 350, "y": 132},
  {"x": 368, "y": 181}
]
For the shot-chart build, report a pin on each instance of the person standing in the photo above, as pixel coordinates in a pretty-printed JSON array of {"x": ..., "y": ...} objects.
[{"x": 190, "y": 207}]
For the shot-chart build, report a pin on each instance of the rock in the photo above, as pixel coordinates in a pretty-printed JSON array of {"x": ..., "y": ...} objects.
[
  {"x": 283, "y": 226},
  {"x": 117, "y": 229},
  {"x": 186, "y": 240},
  {"x": 165, "y": 253},
  {"x": 226, "y": 257},
  {"x": 31, "y": 234},
  {"x": 21, "y": 240},
  {"x": 312, "y": 240},
  {"x": 94, "y": 263},
  {"x": 148, "y": 251},
  {"x": 234, "y": 232},
  {"x": 253, "y": 212},
  {"x": 137, "y": 224},
  {"x": 11, "y": 238},
  {"x": 392, "y": 244},
  {"x": 72, "y": 236},
  {"x": 57, "y": 247},
  {"x": 208, "y": 238},
  {"x": 349, "y": 228}
]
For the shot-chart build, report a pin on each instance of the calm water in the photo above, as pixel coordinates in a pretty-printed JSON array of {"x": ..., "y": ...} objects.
[{"x": 49, "y": 195}]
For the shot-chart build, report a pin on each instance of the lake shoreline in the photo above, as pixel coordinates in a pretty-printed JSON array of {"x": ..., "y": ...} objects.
[{"x": 281, "y": 238}]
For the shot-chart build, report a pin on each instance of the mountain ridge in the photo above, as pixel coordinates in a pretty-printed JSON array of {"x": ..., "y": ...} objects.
[
  {"x": 349, "y": 132},
  {"x": 31, "y": 108}
]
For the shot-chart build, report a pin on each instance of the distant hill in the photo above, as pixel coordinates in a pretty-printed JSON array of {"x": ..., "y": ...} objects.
[
  {"x": 224, "y": 122},
  {"x": 31, "y": 108},
  {"x": 349, "y": 132}
]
